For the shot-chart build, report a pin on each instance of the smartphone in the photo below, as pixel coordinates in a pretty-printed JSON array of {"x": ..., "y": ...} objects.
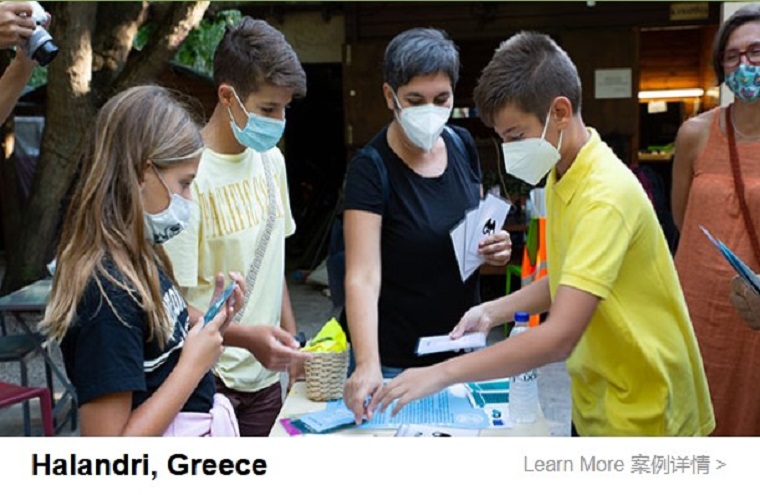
[{"x": 219, "y": 302}]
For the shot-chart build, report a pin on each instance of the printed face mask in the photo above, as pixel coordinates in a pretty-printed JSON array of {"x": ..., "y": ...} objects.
[
  {"x": 744, "y": 82},
  {"x": 531, "y": 159},
  {"x": 423, "y": 124},
  {"x": 162, "y": 226},
  {"x": 260, "y": 133}
]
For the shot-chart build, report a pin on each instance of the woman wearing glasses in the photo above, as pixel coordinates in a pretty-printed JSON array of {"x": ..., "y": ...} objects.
[{"x": 716, "y": 184}]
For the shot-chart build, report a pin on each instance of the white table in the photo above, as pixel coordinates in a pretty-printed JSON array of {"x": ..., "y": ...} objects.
[{"x": 297, "y": 403}]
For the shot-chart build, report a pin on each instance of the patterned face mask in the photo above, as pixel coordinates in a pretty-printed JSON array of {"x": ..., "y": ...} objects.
[
  {"x": 162, "y": 226},
  {"x": 744, "y": 82}
]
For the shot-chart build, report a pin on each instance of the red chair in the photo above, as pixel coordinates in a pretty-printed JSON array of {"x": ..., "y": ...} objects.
[{"x": 14, "y": 394}]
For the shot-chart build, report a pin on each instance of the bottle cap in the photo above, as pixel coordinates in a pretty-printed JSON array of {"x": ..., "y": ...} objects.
[{"x": 522, "y": 317}]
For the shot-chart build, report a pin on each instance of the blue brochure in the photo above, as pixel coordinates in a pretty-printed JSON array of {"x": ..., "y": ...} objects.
[
  {"x": 741, "y": 268},
  {"x": 445, "y": 408}
]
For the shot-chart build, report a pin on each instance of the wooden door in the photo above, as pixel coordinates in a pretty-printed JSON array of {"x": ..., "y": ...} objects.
[{"x": 364, "y": 106}]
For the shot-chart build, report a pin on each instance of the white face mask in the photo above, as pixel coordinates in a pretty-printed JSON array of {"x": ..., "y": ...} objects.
[
  {"x": 423, "y": 124},
  {"x": 531, "y": 159},
  {"x": 162, "y": 226}
]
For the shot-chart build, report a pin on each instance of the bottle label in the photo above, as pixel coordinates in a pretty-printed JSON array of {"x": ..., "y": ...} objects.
[{"x": 528, "y": 376}]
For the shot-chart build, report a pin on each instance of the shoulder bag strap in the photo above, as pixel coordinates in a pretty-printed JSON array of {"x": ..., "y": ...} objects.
[
  {"x": 381, "y": 170},
  {"x": 739, "y": 185},
  {"x": 261, "y": 246}
]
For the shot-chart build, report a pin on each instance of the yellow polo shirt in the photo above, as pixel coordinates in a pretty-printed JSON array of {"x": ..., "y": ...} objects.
[{"x": 637, "y": 369}]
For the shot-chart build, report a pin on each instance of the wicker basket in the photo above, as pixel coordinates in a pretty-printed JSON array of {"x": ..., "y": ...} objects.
[{"x": 326, "y": 375}]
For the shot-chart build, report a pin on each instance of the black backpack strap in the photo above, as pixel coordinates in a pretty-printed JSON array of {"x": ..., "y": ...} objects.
[
  {"x": 374, "y": 155},
  {"x": 457, "y": 140},
  {"x": 460, "y": 147}
]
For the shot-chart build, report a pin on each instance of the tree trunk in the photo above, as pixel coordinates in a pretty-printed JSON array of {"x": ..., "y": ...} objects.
[
  {"x": 10, "y": 194},
  {"x": 74, "y": 94}
]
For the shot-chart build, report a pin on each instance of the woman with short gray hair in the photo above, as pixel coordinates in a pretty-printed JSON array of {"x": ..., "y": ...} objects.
[{"x": 405, "y": 192}]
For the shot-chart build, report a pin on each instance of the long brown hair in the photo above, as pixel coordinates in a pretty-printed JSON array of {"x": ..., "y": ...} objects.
[{"x": 105, "y": 221}]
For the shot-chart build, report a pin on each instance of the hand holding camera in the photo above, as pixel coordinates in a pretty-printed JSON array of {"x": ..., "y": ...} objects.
[
  {"x": 23, "y": 24},
  {"x": 39, "y": 45},
  {"x": 16, "y": 25}
]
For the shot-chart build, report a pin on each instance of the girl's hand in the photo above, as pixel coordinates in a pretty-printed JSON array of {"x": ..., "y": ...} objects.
[{"x": 203, "y": 344}]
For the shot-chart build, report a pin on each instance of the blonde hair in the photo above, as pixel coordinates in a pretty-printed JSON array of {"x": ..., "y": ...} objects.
[{"x": 105, "y": 220}]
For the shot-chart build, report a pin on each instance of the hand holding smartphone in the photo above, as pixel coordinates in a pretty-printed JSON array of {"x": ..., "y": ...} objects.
[{"x": 219, "y": 302}]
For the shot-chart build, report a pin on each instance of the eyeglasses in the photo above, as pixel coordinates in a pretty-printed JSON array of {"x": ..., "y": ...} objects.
[{"x": 732, "y": 58}]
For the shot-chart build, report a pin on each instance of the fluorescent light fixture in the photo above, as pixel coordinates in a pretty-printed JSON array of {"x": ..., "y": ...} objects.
[
  {"x": 671, "y": 93},
  {"x": 714, "y": 92}
]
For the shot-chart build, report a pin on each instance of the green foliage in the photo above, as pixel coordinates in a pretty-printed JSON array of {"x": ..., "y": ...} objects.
[
  {"x": 197, "y": 52},
  {"x": 39, "y": 77},
  {"x": 142, "y": 36}
]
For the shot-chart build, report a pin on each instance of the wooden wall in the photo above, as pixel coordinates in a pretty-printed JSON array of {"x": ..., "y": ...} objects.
[{"x": 603, "y": 36}]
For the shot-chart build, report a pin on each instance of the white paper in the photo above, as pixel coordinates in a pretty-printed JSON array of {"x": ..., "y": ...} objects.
[
  {"x": 434, "y": 431},
  {"x": 485, "y": 220},
  {"x": 458, "y": 239},
  {"x": 492, "y": 214},
  {"x": 444, "y": 343}
]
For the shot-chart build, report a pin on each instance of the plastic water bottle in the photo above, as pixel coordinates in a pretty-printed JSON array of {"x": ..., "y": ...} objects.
[{"x": 523, "y": 388}]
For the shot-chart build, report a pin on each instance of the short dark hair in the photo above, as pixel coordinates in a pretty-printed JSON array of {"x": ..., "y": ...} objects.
[
  {"x": 748, "y": 13},
  {"x": 528, "y": 70},
  {"x": 420, "y": 52},
  {"x": 253, "y": 53}
]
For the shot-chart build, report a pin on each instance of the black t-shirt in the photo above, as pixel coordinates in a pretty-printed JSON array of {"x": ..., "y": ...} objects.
[
  {"x": 422, "y": 292},
  {"x": 106, "y": 350}
]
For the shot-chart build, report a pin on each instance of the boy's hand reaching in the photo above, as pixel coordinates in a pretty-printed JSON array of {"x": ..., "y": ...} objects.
[
  {"x": 412, "y": 384},
  {"x": 275, "y": 348},
  {"x": 476, "y": 319}
]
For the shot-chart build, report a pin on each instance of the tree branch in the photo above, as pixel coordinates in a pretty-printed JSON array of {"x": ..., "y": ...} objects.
[
  {"x": 117, "y": 25},
  {"x": 171, "y": 31}
]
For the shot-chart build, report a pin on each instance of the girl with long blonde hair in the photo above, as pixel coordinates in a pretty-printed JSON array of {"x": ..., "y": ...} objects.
[{"x": 114, "y": 307}]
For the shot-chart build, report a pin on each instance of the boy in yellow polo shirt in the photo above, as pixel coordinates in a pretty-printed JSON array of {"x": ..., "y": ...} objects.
[{"x": 616, "y": 311}]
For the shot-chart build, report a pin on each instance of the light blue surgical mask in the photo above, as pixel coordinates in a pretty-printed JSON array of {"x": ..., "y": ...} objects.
[{"x": 260, "y": 133}]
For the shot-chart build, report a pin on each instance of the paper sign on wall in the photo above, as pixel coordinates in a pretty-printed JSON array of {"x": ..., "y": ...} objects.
[{"x": 612, "y": 83}]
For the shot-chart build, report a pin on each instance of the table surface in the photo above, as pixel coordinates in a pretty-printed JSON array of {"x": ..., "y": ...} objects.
[
  {"x": 297, "y": 403},
  {"x": 33, "y": 297}
]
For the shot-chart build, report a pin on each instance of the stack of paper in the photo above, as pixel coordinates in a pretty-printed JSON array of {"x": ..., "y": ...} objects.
[{"x": 477, "y": 224}]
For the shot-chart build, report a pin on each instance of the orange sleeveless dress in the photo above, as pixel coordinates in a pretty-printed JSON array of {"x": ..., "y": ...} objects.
[{"x": 730, "y": 349}]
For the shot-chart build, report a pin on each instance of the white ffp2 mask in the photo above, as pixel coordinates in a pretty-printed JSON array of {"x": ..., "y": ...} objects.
[
  {"x": 531, "y": 159},
  {"x": 423, "y": 124}
]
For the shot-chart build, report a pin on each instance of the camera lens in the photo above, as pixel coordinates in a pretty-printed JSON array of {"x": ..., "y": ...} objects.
[
  {"x": 40, "y": 46},
  {"x": 45, "y": 53}
]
